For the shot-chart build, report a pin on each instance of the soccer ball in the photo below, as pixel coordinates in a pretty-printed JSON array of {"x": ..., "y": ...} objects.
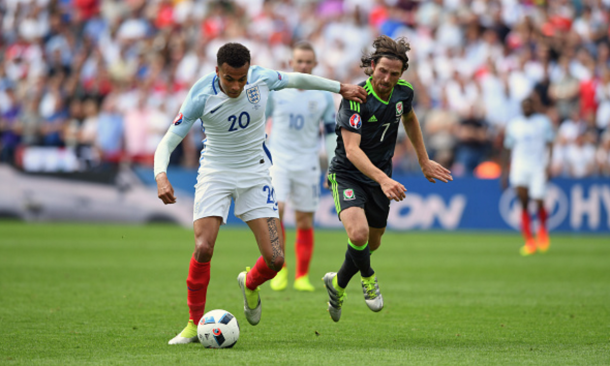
[{"x": 218, "y": 329}]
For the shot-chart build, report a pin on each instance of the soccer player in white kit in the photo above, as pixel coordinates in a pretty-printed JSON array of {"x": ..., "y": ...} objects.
[
  {"x": 234, "y": 165},
  {"x": 293, "y": 141},
  {"x": 529, "y": 141}
]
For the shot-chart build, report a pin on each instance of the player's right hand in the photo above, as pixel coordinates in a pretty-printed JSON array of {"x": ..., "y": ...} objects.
[
  {"x": 393, "y": 190},
  {"x": 165, "y": 191},
  {"x": 353, "y": 92}
]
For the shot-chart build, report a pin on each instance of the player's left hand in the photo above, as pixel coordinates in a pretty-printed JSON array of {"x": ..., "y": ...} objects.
[
  {"x": 353, "y": 92},
  {"x": 433, "y": 170}
]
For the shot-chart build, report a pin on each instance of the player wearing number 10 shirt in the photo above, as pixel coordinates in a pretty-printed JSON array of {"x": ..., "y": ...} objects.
[
  {"x": 294, "y": 143},
  {"x": 234, "y": 165}
]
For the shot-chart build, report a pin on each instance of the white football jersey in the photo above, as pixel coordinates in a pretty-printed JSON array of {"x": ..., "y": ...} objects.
[
  {"x": 527, "y": 137},
  {"x": 234, "y": 127},
  {"x": 294, "y": 137}
]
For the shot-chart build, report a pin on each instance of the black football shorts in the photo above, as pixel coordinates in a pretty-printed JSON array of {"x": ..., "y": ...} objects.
[{"x": 349, "y": 192}]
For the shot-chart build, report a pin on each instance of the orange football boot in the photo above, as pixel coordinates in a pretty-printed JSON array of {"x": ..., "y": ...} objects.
[
  {"x": 543, "y": 242},
  {"x": 529, "y": 248}
]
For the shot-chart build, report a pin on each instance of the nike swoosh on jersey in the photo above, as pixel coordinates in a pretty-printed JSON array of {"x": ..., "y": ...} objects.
[{"x": 214, "y": 110}]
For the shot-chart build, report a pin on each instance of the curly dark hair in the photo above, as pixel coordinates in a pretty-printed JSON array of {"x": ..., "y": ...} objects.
[
  {"x": 386, "y": 47},
  {"x": 233, "y": 54}
]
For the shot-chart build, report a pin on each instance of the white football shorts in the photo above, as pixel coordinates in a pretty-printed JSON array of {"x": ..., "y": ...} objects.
[
  {"x": 302, "y": 187},
  {"x": 532, "y": 179},
  {"x": 252, "y": 192}
]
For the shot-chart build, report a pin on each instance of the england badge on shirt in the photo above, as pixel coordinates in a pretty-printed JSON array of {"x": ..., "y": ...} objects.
[{"x": 253, "y": 94}]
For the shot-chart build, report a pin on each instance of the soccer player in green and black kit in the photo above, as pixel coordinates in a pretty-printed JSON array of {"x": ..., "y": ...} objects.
[{"x": 361, "y": 171}]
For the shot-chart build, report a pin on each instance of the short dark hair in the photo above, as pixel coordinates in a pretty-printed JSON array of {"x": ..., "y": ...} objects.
[
  {"x": 233, "y": 54},
  {"x": 386, "y": 47}
]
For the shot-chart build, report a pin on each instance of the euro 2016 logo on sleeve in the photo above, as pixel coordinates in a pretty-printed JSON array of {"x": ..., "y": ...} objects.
[
  {"x": 178, "y": 119},
  {"x": 355, "y": 121},
  {"x": 253, "y": 94}
]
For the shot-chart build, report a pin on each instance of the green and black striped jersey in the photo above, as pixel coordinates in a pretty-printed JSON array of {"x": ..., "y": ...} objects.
[{"x": 377, "y": 121}]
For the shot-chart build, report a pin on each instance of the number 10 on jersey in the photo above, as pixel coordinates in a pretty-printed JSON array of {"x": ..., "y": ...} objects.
[{"x": 296, "y": 121}]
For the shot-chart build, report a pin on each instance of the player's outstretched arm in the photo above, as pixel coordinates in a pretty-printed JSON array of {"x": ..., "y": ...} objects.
[
  {"x": 165, "y": 191},
  {"x": 431, "y": 169},
  {"x": 297, "y": 80},
  {"x": 392, "y": 189}
]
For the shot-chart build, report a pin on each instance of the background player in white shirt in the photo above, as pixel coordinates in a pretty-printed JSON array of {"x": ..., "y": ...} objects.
[
  {"x": 293, "y": 141},
  {"x": 234, "y": 165},
  {"x": 529, "y": 141}
]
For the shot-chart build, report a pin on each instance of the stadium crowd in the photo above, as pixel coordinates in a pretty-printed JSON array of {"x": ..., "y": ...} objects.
[{"x": 104, "y": 78}]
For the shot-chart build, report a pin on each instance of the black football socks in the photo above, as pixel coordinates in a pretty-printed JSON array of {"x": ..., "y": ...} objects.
[{"x": 356, "y": 259}]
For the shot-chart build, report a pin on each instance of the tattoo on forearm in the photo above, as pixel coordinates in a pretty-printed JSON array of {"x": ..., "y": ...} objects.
[{"x": 275, "y": 239}]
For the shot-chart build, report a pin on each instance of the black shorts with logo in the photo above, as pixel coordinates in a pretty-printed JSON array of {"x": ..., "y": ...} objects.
[{"x": 353, "y": 193}]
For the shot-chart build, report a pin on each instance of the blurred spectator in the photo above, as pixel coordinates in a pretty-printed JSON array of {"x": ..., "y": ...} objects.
[
  {"x": 472, "y": 143},
  {"x": 54, "y": 114},
  {"x": 602, "y": 97},
  {"x": 572, "y": 127},
  {"x": 541, "y": 93},
  {"x": 486, "y": 55},
  {"x": 461, "y": 94},
  {"x": 559, "y": 164},
  {"x": 603, "y": 155},
  {"x": 109, "y": 136},
  {"x": 87, "y": 134},
  {"x": 30, "y": 122},
  {"x": 10, "y": 130},
  {"x": 564, "y": 89},
  {"x": 580, "y": 156},
  {"x": 439, "y": 126},
  {"x": 74, "y": 123},
  {"x": 158, "y": 123},
  {"x": 137, "y": 121}
]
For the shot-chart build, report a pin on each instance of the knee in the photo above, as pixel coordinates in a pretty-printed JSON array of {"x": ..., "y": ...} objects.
[
  {"x": 204, "y": 250},
  {"x": 359, "y": 236},
  {"x": 276, "y": 263},
  {"x": 304, "y": 222}
]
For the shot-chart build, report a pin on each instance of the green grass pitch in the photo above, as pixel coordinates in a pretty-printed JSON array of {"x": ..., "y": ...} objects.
[{"x": 114, "y": 295}]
